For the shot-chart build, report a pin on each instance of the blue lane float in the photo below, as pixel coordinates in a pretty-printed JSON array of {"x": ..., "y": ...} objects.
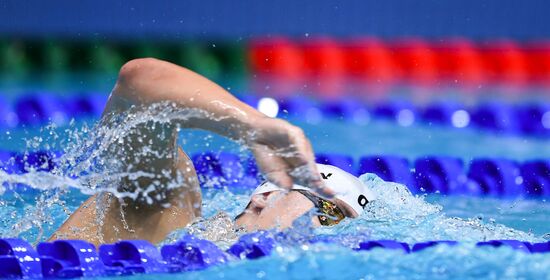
[
  {"x": 543, "y": 247},
  {"x": 8, "y": 117},
  {"x": 496, "y": 116},
  {"x": 87, "y": 104},
  {"x": 343, "y": 162},
  {"x": 192, "y": 253},
  {"x": 299, "y": 107},
  {"x": 18, "y": 259},
  {"x": 41, "y": 108},
  {"x": 77, "y": 258},
  {"x": 444, "y": 113},
  {"x": 346, "y": 110},
  {"x": 535, "y": 118},
  {"x": 443, "y": 175},
  {"x": 514, "y": 244},
  {"x": 497, "y": 177},
  {"x": 527, "y": 119},
  {"x": 389, "y": 168},
  {"x": 131, "y": 257},
  {"x": 69, "y": 259},
  {"x": 429, "y": 244},
  {"x": 39, "y": 161},
  {"x": 430, "y": 174},
  {"x": 6, "y": 161},
  {"x": 392, "y": 109},
  {"x": 536, "y": 177},
  {"x": 253, "y": 245},
  {"x": 224, "y": 170},
  {"x": 384, "y": 244}
]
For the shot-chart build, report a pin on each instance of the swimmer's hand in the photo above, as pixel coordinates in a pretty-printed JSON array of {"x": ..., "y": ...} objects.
[{"x": 284, "y": 155}]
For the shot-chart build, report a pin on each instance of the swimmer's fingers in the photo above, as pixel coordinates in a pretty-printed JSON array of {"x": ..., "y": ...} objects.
[
  {"x": 308, "y": 175},
  {"x": 285, "y": 155},
  {"x": 304, "y": 169},
  {"x": 272, "y": 166}
]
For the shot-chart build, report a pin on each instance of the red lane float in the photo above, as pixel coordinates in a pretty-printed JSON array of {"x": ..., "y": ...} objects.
[
  {"x": 276, "y": 56},
  {"x": 324, "y": 66},
  {"x": 416, "y": 61},
  {"x": 538, "y": 60},
  {"x": 459, "y": 61},
  {"x": 504, "y": 61},
  {"x": 372, "y": 61}
]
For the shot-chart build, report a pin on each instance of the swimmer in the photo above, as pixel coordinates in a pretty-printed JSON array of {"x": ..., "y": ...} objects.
[{"x": 280, "y": 149}]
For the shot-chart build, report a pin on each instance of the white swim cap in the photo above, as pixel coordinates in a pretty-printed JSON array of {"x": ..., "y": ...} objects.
[{"x": 347, "y": 187}]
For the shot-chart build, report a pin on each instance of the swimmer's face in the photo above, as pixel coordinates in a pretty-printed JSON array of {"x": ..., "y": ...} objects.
[{"x": 277, "y": 209}]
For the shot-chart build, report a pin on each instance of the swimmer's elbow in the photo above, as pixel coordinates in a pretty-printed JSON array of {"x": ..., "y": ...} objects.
[
  {"x": 134, "y": 70},
  {"x": 146, "y": 80},
  {"x": 138, "y": 79}
]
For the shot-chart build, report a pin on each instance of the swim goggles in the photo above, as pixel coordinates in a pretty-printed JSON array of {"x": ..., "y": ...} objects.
[{"x": 330, "y": 213}]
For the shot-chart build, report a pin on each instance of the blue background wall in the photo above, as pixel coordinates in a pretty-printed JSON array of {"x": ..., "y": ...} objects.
[{"x": 476, "y": 19}]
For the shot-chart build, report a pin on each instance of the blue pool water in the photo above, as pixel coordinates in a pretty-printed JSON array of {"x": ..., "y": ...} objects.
[{"x": 397, "y": 215}]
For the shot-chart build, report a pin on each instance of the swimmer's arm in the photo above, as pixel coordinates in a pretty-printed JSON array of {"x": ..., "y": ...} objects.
[
  {"x": 278, "y": 146},
  {"x": 147, "y": 81}
]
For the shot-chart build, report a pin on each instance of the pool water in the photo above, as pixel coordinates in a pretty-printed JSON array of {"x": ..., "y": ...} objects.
[{"x": 398, "y": 215}]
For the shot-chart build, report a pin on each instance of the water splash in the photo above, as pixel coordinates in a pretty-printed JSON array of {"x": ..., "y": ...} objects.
[
  {"x": 397, "y": 214},
  {"x": 111, "y": 154},
  {"x": 91, "y": 163}
]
